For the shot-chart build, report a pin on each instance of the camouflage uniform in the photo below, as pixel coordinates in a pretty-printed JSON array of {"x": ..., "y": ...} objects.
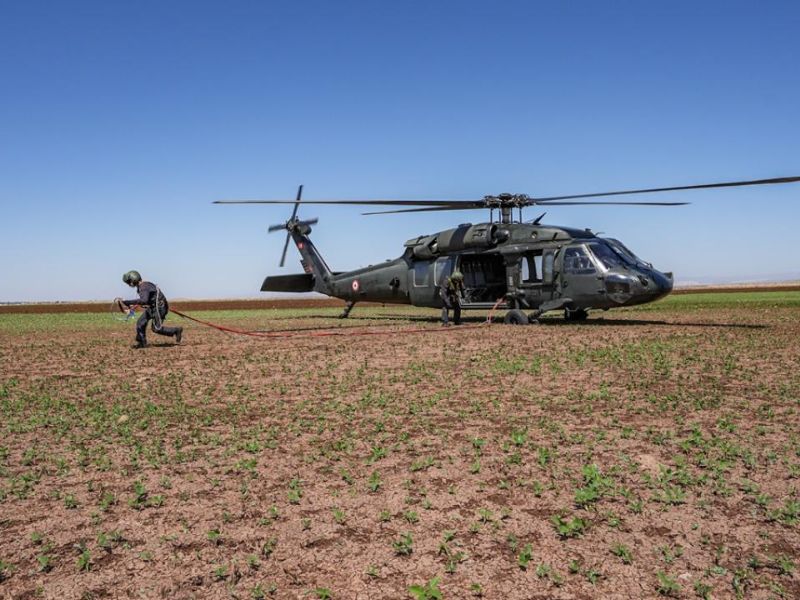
[{"x": 451, "y": 290}]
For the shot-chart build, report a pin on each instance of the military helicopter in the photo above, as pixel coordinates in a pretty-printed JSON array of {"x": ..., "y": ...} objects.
[{"x": 525, "y": 268}]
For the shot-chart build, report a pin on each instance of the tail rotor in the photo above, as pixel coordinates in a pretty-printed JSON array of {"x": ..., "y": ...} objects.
[{"x": 293, "y": 224}]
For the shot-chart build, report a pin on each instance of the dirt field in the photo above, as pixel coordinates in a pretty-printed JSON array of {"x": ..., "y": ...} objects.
[{"x": 645, "y": 453}]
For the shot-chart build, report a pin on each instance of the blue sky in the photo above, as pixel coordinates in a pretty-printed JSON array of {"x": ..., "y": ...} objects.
[{"x": 121, "y": 122}]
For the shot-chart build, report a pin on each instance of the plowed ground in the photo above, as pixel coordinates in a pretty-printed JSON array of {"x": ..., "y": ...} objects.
[{"x": 644, "y": 453}]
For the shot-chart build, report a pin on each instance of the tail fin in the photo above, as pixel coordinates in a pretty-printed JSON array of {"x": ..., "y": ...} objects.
[{"x": 311, "y": 259}]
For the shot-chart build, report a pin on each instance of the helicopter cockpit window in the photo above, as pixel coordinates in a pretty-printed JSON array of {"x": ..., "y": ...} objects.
[
  {"x": 577, "y": 261},
  {"x": 607, "y": 257}
]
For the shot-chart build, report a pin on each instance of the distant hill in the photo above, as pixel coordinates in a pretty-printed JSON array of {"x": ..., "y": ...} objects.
[{"x": 745, "y": 279}]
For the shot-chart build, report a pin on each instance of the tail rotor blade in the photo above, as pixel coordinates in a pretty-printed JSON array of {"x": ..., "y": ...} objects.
[
  {"x": 285, "y": 247},
  {"x": 297, "y": 202},
  {"x": 290, "y": 223},
  {"x": 274, "y": 228}
]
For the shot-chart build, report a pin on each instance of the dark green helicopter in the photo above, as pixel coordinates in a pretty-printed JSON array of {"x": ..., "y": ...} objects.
[{"x": 527, "y": 268}]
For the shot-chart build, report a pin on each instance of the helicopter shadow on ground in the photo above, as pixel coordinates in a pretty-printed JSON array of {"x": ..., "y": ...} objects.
[
  {"x": 383, "y": 317},
  {"x": 391, "y": 319},
  {"x": 558, "y": 322},
  {"x": 642, "y": 322}
]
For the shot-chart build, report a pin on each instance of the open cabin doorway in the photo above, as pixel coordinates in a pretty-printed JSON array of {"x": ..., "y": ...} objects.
[{"x": 484, "y": 278}]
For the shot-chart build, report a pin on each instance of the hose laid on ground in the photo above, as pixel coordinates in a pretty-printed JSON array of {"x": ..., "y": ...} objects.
[{"x": 349, "y": 331}]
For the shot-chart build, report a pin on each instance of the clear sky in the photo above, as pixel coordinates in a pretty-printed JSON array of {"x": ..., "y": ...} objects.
[{"x": 120, "y": 123}]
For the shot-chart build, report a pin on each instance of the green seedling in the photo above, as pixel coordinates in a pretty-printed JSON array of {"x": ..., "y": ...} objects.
[
  {"x": 221, "y": 572},
  {"x": 667, "y": 585},
  {"x": 411, "y": 516},
  {"x": 428, "y": 591},
  {"x": 374, "y": 482},
  {"x": 84, "y": 559},
  {"x": 525, "y": 556},
  {"x": 623, "y": 552},
  {"x": 568, "y": 528},
  {"x": 5, "y": 570},
  {"x": 703, "y": 590},
  {"x": 214, "y": 536},
  {"x": 268, "y": 547},
  {"x": 45, "y": 562},
  {"x": 404, "y": 546}
]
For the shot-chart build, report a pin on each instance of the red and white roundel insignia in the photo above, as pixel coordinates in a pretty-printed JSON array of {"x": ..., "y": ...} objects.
[
  {"x": 300, "y": 245},
  {"x": 355, "y": 285}
]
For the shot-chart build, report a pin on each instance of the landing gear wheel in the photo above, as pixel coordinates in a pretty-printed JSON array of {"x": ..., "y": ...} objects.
[
  {"x": 578, "y": 314},
  {"x": 515, "y": 317},
  {"x": 533, "y": 318}
]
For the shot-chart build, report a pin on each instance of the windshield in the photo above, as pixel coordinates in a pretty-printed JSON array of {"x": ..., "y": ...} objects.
[
  {"x": 626, "y": 253},
  {"x": 606, "y": 255}
]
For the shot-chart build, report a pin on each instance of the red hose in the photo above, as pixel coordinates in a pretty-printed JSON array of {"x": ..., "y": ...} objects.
[{"x": 331, "y": 332}]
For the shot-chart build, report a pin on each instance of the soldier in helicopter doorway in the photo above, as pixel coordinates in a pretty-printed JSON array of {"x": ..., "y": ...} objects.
[
  {"x": 155, "y": 307},
  {"x": 451, "y": 291}
]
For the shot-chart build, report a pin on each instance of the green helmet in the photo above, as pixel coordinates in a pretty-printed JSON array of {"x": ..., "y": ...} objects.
[
  {"x": 457, "y": 275},
  {"x": 132, "y": 278}
]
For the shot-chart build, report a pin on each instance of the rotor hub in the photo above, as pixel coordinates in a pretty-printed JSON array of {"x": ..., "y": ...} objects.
[{"x": 506, "y": 202}]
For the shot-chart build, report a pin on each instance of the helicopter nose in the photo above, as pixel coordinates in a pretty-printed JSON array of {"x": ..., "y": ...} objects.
[{"x": 663, "y": 283}]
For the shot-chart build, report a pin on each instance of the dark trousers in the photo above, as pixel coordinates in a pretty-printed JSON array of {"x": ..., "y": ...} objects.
[
  {"x": 157, "y": 325},
  {"x": 447, "y": 304}
]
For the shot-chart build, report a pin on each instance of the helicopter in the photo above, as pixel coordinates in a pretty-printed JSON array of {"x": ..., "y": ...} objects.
[{"x": 525, "y": 268}]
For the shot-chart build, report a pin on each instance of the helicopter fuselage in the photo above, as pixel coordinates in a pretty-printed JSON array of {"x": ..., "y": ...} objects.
[{"x": 524, "y": 266}]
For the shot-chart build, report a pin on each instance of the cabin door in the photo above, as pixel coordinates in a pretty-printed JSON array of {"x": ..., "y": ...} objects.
[{"x": 537, "y": 276}]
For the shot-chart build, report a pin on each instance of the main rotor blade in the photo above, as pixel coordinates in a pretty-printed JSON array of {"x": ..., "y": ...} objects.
[
  {"x": 533, "y": 203},
  {"x": 477, "y": 203},
  {"x": 614, "y": 203},
  {"x": 463, "y": 206},
  {"x": 675, "y": 188},
  {"x": 482, "y": 203}
]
